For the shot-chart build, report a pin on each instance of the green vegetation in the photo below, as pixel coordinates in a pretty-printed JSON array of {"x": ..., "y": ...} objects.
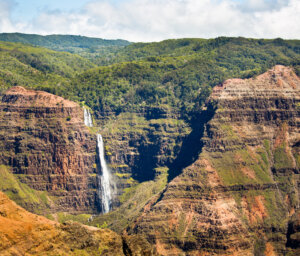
[
  {"x": 134, "y": 199},
  {"x": 68, "y": 43},
  {"x": 21, "y": 193},
  {"x": 38, "y": 67},
  {"x": 176, "y": 73},
  {"x": 276, "y": 216},
  {"x": 63, "y": 217},
  {"x": 172, "y": 74},
  {"x": 242, "y": 166},
  {"x": 127, "y": 122},
  {"x": 281, "y": 158}
]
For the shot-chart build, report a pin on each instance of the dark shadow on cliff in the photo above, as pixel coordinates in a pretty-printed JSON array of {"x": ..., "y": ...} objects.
[
  {"x": 147, "y": 161},
  {"x": 192, "y": 145}
]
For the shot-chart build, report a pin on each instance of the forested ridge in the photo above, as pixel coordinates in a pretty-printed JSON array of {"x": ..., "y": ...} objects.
[{"x": 170, "y": 74}]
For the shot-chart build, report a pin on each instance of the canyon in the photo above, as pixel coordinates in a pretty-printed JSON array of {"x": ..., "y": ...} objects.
[
  {"x": 241, "y": 195},
  {"x": 224, "y": 183}
]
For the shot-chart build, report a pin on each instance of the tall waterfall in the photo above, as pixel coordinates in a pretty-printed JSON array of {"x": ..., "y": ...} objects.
[
  {"x": 104, "y": 177},
  {"x": 88, "y": 121},
  {"x": 104, "y": 190}
]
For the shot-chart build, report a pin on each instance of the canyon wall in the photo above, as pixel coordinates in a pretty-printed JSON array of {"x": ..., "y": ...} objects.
[
  {"x": 46, "y": 146},
  {"x": 241, "y": 195},
  {"x": 233, "y": 170}
]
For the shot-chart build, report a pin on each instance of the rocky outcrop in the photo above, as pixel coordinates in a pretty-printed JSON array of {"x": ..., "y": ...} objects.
[
  {"x": 45, "y": 143},
  {"x": 237, "y": 197}
]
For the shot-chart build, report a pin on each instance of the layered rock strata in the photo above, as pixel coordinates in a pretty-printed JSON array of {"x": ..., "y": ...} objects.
[
  {"x": 136, "y": 146},
  {"x": 45, "y": 143},
  {"x": 238, "y": 196}
]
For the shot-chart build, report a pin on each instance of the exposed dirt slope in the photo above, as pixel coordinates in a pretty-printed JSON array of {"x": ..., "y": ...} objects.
[{"x": 24, "y": 233}]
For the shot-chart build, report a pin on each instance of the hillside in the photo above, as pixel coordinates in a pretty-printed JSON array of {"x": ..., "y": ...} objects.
[
  {"x": 227, "y": 183},
  {"x": 37, "y": 67},
  {"x": 23, "y": 233},
  {"x": 67, "y": 43},
  {"x": 217, "y": 48},
  {"x": 174, "y": 74},
  {"x": 90, "y": 48}
]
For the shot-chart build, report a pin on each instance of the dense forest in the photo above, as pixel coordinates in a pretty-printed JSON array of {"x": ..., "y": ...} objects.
[
  {"x": 170, "y": 74},
  {"x": 88, "y": 47},
  {"x": 37, "y": 67}
]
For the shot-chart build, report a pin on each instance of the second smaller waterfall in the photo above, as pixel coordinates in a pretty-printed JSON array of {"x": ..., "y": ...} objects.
[
  {"x": 88, "y": 121},
  {"x": 104, "y": 178}
]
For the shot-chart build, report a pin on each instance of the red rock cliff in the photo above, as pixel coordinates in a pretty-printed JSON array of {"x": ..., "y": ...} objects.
[
  {"x": 45, "y": 142},
  {"x": 238, "y": 196}
]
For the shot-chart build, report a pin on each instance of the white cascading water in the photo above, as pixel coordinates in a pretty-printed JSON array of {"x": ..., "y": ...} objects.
[
  {"x": 104, "y": 178},
  {"x": 88, "y": 121},
  {"x": 104, "y": 181}
]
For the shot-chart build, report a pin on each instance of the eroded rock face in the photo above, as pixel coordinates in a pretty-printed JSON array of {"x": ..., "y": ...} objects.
[
  {"x": 45, "y": 142},
  {"x": 136, "y": 144},
  {"x": 237, "y": 197}
]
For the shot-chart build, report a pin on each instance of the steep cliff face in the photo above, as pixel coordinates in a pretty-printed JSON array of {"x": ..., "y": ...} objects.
[
  {"x": 45, "y": 143},
  {"x": 238, "y": 196},
  {"x": 137, "y": 145}
]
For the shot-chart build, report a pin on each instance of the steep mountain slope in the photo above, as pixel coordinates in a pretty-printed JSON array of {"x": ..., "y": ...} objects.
[
  {"x": 23, "y": 233},
  {"x": 238, "y": 196},
  {"x": 46, "y": 145}
]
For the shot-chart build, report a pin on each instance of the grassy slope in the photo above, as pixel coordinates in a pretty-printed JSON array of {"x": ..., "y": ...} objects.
[
  {"x": 21, "y": 193},
  {"x": 175, "y": 73},
  {"x": 194, "y": 46}
]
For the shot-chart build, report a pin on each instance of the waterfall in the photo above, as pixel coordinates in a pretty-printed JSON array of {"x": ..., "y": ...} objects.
[
  {"x": 88, "y": 121},
  {"x": 105, "y": 192}
]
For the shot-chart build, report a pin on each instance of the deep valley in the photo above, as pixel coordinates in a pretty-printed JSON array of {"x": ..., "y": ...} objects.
[{"x": 182, "y": 147}]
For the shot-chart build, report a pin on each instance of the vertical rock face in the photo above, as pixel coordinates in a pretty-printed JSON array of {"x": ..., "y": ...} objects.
[
  {"x": 45, "y": 142},
  {"x": 238, "y": 196},
  {"x": 136, "y": 144}
]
